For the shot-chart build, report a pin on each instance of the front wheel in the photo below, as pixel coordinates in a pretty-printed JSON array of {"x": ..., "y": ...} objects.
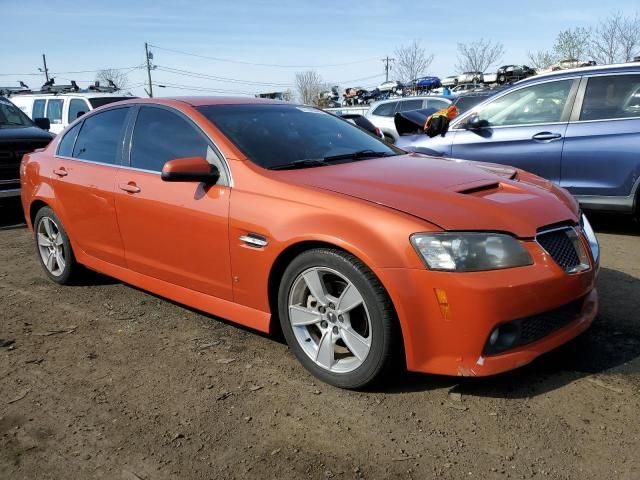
[{"x": 337, "y": 318}]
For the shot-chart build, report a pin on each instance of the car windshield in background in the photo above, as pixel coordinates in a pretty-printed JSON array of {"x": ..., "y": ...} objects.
[
  {"x": 100, "y": 101},
  {"x": 12, "y": 116},
  {"x": 282, "y": 136}
]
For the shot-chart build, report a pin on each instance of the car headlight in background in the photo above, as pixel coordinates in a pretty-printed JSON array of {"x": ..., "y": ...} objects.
[
  {"x": 470, "y": 251},
  {"x": 591, "y": 237}
]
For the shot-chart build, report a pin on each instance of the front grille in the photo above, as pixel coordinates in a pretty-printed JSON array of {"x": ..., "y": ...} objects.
[
  {"x": 11, "y": 155},
  {"x": 530, "y": 329},
  {"x": 561, "y": 247}
]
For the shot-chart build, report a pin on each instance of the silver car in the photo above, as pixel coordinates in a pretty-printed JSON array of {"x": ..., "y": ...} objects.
[{"x": 381, "y": 113}]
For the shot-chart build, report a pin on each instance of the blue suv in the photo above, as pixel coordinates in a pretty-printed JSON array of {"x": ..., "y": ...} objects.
[{"x": 579, "y": 128}]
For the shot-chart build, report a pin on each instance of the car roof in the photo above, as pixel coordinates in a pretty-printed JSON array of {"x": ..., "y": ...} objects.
[
  {"x": 202, "y": 101},
  {"x": 412, "y": 97},
  {"x": 615, "y": 68}
]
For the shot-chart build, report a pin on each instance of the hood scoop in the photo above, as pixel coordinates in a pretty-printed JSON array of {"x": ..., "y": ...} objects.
[{"x": 480, "y": 188}]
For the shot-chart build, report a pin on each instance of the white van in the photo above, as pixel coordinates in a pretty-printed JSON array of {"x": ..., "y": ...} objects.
[{"x": 62, "y": 108}]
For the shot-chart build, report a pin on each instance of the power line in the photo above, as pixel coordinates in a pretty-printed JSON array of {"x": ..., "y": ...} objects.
[
  {"x": 218, "y": 59},
  {"x": 199, "y": 89},
  {"x": 188, "y": 73},
  {"x": 76, "y": 71}
]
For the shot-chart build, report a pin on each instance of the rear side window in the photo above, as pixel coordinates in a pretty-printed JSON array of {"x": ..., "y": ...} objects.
[
  {"x": 161, "y": 135},
  {"x": 76, "y": 107},
  {"x": 38, "y": 109},
  {"x": 101, "y": 136},
  {"x": 616, "y": 96},
  {"x": 408, "y": 105},
  {"x": 65, "y": 147},
  {"x": 386, "y": 109},
  {"x": 54, "y": 111}
]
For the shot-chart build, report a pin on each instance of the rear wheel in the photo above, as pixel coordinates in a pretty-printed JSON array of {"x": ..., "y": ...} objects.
[
  {"x": 337, "y": 318},
  {"x": 54, "y": 248}
]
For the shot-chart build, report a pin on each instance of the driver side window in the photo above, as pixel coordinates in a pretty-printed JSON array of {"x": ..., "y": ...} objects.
[
  {"x": 541, "y": 103},
  {"x": 160, "y": 135}
]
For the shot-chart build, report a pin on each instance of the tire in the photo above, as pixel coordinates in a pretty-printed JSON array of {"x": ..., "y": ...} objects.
[
  {"x": 53, "y": 247},
  {"x": 349, "y": 340}
]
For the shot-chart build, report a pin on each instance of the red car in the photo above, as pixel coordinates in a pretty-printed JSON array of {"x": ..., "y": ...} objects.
[{"x": 276, "y": 215}]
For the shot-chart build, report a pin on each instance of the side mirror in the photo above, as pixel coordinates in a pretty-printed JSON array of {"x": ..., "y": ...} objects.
[
  {"x": 43, "y": 123},
  {"x": 474, "y": 122},
  {"x": 191, "y": 169}
]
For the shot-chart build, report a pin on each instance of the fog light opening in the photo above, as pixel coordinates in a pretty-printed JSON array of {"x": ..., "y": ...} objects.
[{"x": 503, "y": 338}]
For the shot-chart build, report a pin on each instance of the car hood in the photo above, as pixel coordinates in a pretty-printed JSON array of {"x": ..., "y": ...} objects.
[
  {"x": 452, "y": 194},
  {"x": 24, "y": 133}
]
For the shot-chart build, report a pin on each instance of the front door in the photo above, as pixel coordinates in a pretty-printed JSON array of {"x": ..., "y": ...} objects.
[
  {"x": 176, "y": 232},
  {"x": 524, "y": 128}
]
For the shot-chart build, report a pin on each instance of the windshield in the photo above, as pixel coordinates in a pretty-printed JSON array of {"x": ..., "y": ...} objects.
[
  {"x": 100, "y": 101},
  {"x": 12, "y": 116},
  {"x": 279, "y": 135}
]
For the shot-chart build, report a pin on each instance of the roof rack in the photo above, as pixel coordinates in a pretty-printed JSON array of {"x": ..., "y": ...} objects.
[{"x": 50, "y": 88}]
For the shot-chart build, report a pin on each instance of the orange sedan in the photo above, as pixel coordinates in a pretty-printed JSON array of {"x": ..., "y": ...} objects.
[{"x": 281, "y": 216}]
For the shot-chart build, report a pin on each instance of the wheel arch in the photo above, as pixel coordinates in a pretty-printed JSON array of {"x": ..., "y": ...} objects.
[
  {"x": 34, "y": 207},
  {"x": 286, "y": 256}
]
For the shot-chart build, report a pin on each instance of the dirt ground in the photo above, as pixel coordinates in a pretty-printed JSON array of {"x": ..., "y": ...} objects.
[{"x": 106, "y": 381}]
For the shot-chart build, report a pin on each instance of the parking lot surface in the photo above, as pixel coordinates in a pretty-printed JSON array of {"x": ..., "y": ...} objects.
[{"x": 106, "y": 381}]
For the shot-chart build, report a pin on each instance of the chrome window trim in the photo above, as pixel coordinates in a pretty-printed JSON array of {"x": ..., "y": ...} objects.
[
  {"x": 457, "y": 121},
  {"x": 217, "y": 150},
  {"x": 617, "y": 119}
]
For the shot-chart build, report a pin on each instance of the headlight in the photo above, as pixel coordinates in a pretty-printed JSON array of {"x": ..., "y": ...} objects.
[
  {"x": 470, "y": 251},
  {"x": 591, "y": 237}
]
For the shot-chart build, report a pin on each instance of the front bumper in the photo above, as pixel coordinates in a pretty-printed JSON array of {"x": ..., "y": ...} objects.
[{"x": 478, "y": 302}]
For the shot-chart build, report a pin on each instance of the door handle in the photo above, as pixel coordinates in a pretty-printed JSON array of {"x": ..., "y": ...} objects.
[
  {"x": 546, "y": 136},
  {"x": 61, "y": 172},
  {"x": 129, "y": 187}
]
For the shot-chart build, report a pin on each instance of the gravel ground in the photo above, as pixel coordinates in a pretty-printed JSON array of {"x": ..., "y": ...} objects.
[{"x": 107, "y": 381}]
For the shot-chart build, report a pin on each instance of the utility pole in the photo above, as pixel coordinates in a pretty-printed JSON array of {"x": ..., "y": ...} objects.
[
  {"x": 46, "y": 71},
  {"x": 149, "y": 57},
  {"x": 387, "y": 61}
]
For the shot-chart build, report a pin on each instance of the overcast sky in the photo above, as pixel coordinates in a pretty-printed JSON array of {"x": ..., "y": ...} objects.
[{"x": 330, "y": 35}]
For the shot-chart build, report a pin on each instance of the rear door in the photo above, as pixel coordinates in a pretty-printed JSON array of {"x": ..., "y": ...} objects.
[
  {"x": 601, "y": 153},
  {"x": 523, "y": 127},
  {"x": 174, "y": 231},
  {"x": 84, "y": 173}
]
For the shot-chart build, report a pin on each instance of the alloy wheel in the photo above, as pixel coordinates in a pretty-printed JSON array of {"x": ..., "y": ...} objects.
[
  {"x": 329, "y": 319},
  {"x": 51, "y": 246}
]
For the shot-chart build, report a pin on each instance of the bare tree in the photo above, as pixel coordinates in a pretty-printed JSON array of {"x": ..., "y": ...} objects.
[
  {"x": 572, "y": 44},
  {"x": 118, "y": 77},
  {"x": 542, "y": 59},
  {"x": 605, "y": 41},
  {"x": 629, "y": 37},
  {"x": 478, "y": 56},
  {"x": 412, "y": 61},
  {"x": 309, "y": 85}
]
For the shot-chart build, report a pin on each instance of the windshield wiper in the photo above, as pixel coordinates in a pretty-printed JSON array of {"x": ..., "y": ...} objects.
[
  {"x": 357, "y": 155},
  {"x": 304, "y": 163},
  {"x": 318, "y": 162}
]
